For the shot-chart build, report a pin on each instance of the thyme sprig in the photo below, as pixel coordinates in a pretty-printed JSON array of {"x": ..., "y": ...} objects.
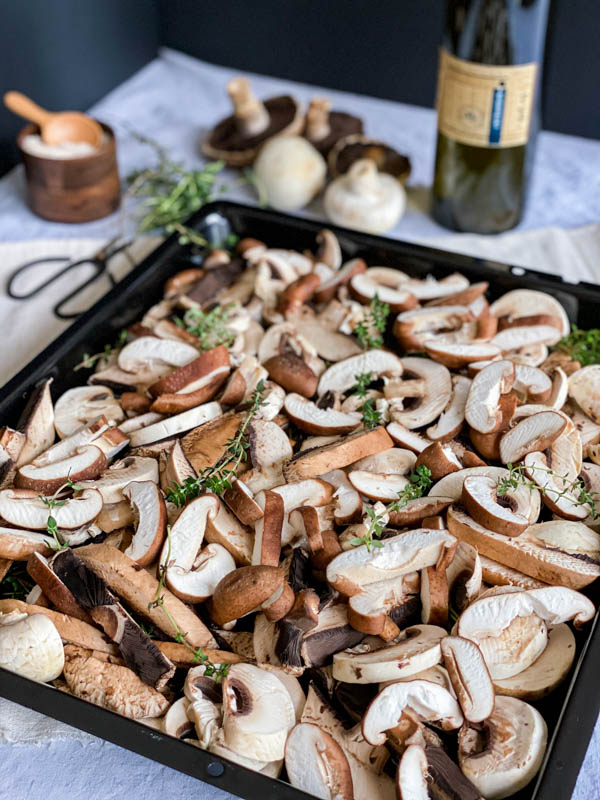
[
  {"x": 574, "y": 490},
  {"x": 53, "y": 502},
  {"x": 216, "y": 671},
  {"x": 209, "y": 327},
  {"x": 91, "y": 360},
  {"x": 372, "y": 537},
  {"x": 221, "y": 475},
  {"x": 370, "y": 329},
  {"x": 581, "y": 345},
  {"x": 371, "y": 417},
  {"x": 419, "y": 484}
]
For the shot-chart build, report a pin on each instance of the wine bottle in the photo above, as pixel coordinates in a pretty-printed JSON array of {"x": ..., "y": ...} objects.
[{"x": 489, "y": 75}]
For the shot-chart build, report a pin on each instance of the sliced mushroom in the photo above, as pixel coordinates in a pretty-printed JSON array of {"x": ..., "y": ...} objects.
[
  {"x": 412, "y": 775},
  {"x": 384, "y": 283},
  {"x": 508, "y": 514},
  {"x": 85, "y": 464},
  {"x": 536, "y": 432},
  {"x": 464, "y": 576},
  {"x": 453, "y": 415},
  {"x": 320, "y": 421},
  {"x": 532, "y": 383},
  {"x": 18, "y": 545},
  {"x": 556, "y": 487},
  {"x": 417, "y": 510},
  {"x": 317, "y": 764},
  {"x": 584, "y": 386},
  {"x": 36, "y": 423},
  {"x": 482, "y": 409},
  {"x": 459, "y": 355},
  {"x": 175, "y": 722},
  {"x": 81, "y": 405},
  {"x": 54, "y": 589},
  {"x": 114, "y": 480},
  {"x": 406, "y": 438},
  {"x": 519, "y": 303},
  {"x": 150, "y": 516},
  {"x": 150, "y": 357},
  {"x": 245, "y": 590},
  {"x": 341, "y": 377},
  {"x": 328, "y": 288},
  {"x": 377, "y": 486},
  {"x": 420, "y": 406},
  {"x": 414, "y": 328},
  {"x": 470, "y": 677},
  {"x": 11, "y": 444},
  {"x": 180, "y": 423},
  {"x": 414, "y": 650},
  {"x": 348, "y": 502},
  {"x": 30, "y": 646},
  {"x": 371, "y": 611},
  {"x": 25, "y": 509},
  {"x": 507, "y": 754},
  {"x": 519, "y": 336}
]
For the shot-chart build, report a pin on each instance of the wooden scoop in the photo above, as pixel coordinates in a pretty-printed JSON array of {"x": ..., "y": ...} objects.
[{"x": 56, "y": 127}]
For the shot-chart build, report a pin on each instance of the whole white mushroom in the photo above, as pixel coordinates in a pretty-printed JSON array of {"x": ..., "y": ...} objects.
[
  {"x": 365, "y": 199},
  {"x": 291, "y": 171},
  {"x": 31, "y": 646}
]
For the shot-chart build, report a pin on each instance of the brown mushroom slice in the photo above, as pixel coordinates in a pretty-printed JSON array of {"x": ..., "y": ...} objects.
[
  {"x": 25, "y": 509},
  {"x": 377, "y": 486},
  {"x": 435, "y": 592},
  {"x": 195, "y": 375},
  {"x": 507, "y": 514},
  {"x": 150, "y": 357},
  {"x": 369, "y": 611},
  {"x": 519, "y": 303},
  {"x": 354, "y": 569},
  {"x": 536, "y": 432},
  {"x": 150, "y": 517},
  {"x": 532, "y": 383},
  {"x": 547, "y": 672},
  {"x": 556, "y": 489},
  {"x": 316, "y": 764},
  {"x": 326, "y": 291},
  {"x": 406, "y": 438},
  {"x": 440, "y": 460},
  {"x": 452, "y": 485},
  {"x": 19, "y": 545},
  {"x": 258, "y": 712},
  {"x": 114, "y": 479},
  {"x": 341, "y": 377},
  {"x": 420, "y": 406},
  {"x": 453, "y": 415},
  {"x": 245, "y": 590},
  {"x": 520, "y": 336},
  {"x": 415, "y": 649},
  {"x": 291, "y": 372},
  {"x": 417, "y": 510},
  {"x": 241, "y": 501},
  {"x": 54, "y": 588},
  {"x": 224, "y": 529},
  {"x": 459, "y": 355},
  {"x": 81, "y": 405},
  {"x": 428, "y": 701},
  {"x": 319, "y": 421},
  {"x": 267, "y": 536},
  {"x": 348, "y": 502},
  {"x": 85, "y": 464},
  {"x": 470, "y": 677},
  {"x": 385, "y": 284},
  {"x": 542, "y": 563},
  {"x": 573, "y": 538},
  {"x": 412, "y": 776},
  {"x": 413, "y": 328},
  {"x": 482, "y": 408},
  {"x": 36, "y": 423},
  {"x": 584, "y": 388},
  {"x": 509, "y": 754},
  {"x": 172, "y": 426},
  {"x": 11, "y": 444},
  {"x": 111, "y": 686},
  {"x": 496, "y": 574}
]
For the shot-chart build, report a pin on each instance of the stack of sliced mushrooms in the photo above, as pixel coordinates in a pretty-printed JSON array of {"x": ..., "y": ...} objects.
[{"x": 363, "y": 606}]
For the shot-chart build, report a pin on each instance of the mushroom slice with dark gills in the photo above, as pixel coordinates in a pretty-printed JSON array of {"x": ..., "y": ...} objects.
[
  {"x": 93, "y": 595},
  {"x": 421, "y": 394},
  {"x": 258, "y": 713},
  {"x": 332, "y": 634},
  {"x": 503, "y": 754},
  {"x": 445, "y": 781},
  {"x": 301, "y": 618},
  {"x": 316, "y": 763},
  {"x": 469, "y": 676},
  {"x": 416, "y": 649},
  {"x": 80, "y": 405},
  {"x": 428, "y": 701}
]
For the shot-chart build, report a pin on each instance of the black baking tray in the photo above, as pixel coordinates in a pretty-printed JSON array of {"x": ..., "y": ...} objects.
[{"x": 570, "y": 712}]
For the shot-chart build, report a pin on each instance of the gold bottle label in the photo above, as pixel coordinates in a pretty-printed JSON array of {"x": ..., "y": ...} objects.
[{"x": 485, "y": 105}]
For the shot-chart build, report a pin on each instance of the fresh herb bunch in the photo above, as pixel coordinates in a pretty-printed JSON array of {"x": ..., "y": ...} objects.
[
  {"x": 372, "y": 537},
  {"x": 91, "y": 360},
  {"x": 216, "y": 671},
  {"x": 221, "y": 475},
  {"x": 575, "y": 490},
  {"x": 419, "y": 484},
  {"x": 371, "y": 417},
  {"x": 52, "y": 503},
  {"x": 17, "y": 583},
  {"x": 370, "y": 329},
  {"x": 209, "y": 327},
  {"x": 581, "y": 345}
]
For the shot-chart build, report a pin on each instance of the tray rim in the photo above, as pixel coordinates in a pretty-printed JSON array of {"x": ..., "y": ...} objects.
[{"x": 565, "y": 752}]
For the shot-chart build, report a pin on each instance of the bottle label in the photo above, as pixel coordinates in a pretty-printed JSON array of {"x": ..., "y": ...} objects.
[{"x": 485, "y": 105}]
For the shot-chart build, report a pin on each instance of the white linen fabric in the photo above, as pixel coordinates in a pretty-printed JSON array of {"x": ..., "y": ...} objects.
[{"x": 175, "y": 99}]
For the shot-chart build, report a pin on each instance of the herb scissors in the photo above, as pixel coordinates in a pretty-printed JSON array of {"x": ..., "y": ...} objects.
[{"x": 99, "y": 261}]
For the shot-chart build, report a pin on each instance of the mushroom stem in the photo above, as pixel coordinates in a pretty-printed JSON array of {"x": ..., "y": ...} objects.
[
  {"x": 251, "y": 115},
  {"x": 362, "y": 177},
  {"x": 317, "y": 119}
]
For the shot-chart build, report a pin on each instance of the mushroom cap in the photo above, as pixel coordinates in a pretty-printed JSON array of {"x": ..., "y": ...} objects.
[
  {"x": 354, "y": 146},
  {"x": 317, "y": 764},
  {"x": 507, "y": 759},
  {"x": 31, "y": 646},
  {"x": 80, "y": 405},
  {"x": 429, "y": 701},
  {"x": 291, "y": 171},
  {"x": 244, "y": 590}
]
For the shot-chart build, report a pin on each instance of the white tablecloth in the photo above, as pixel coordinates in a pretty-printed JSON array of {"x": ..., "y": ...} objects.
[{"x": 175, "y": 99}]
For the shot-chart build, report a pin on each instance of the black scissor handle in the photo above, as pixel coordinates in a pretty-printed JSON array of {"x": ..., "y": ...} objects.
[
  {"x": 99, "y": 267},
  {"x": 36, "y": 263}
]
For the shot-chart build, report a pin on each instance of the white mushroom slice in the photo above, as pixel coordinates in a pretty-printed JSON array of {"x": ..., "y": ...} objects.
[
  {"x": 65, "y": 448},
  {"x": 31, "y": 646},
  {"x": 84, "y": 464},
  {"x": 18, "y": 545},
  {"x": 118, "y": 475},
  {"x": 319, "y": 421},
  {"x": 521, "y": 336},
  {"x": 428, "y": 400},
  {"x": 258, "y": 712},
  {"x": 495, "y": 574},
  {"x": 414, "y": 328},
  {"x": 407, "y": 438},
  {"x": 142, "y": 421},
  {"x": 175, "y": 722},
  {"x": 368, "y": 611},
  {"x": 330, "y": 345},
  {"x": 556, "y": 487},
  {"x": 25, "y": 509},
  {"x": 151, "y": 358},
  {"x": 573, "y": 538},
  {"x": 436, "y": 674},
  {"x": 482, "y": 410},
  {"x": 560, "y": 389},
  {"x": 348, "y": 502},
  {"x": 395, "y": 461},
  {"x": 219, "y": 748},
  {"x": 409, "y": 552},
  {"x": 508, "y": 514},
  {"x": 459, "y": 355},
  {"x": 470, "y": 677},
  {"x": 366, "y": 285},
  {"x": 519, "y": 303},
  {"x": 317, "y": 764},
  {"x": 584, "y": 388},
  {"x": 411, "y": 779},
  {"x": 180, "y": 423},
  {"x": 417, "y": 648},
  {"x": 453, "y": 416},
  {"x": 114, "y": 516},
  {"x": 224, "y": 529},
  {"x": 464, "y": 576},
  {"x": 532, "y": 383},
  {"x": 377, "y": 486},
  {"x": 150, "y": 516},
  {"x": 341, "y": 377},
  {"x": 429, "y": 288},
  {"x": 428, "y": 701},
  {"x": 547, "y": 672},
  {"x": 310, "y": 492},
  {"x": 536, "y": 432},
  {"x": 37, "y": 423},
  {"x": 81, "y": 405},
  {"x": 508, "y": 757}
]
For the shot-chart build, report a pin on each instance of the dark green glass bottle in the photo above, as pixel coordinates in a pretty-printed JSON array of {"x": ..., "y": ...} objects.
[{"x": 489, "y": 75}]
